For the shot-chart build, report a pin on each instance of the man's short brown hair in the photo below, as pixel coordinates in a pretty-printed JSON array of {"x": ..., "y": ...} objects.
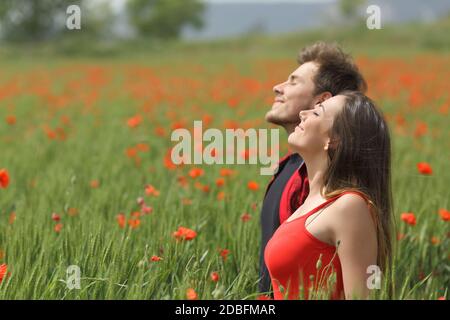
[{"x": 337, "y": 72}]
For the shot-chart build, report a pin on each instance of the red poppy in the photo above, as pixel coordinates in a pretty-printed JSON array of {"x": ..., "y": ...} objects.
[
  {"x": 224, "y": 254},
  {"x": 185, "y": 234},
  {"x": 168, "y": 163},
  {"x": 94, "y": 184},
  {"x": 400, "y": 120},
  {"x": 121, "y": 220},
  {"x": 233, "y": 102},
  {"x": 146, "y": 209},
  {"x": 3, "y": 271},
  {"x": 221, "y": 195},
  {"x": 205, "y": 188},
  {"x": 186, "y": 201},
  {"x": 51, "y": 134},
  {"x": 245, "y": 217},
  {"x": 196, "y": 172},
  {"x": 11, "y": 120},
  {"x": 252, "y": 185},
  {"x": 178, "y": 125},
  {"x": 409, "y": 218},
  {"x": 424, "y": 168},
  {"x": 245, "y": 154},
  {"x": 206, "y": 119},
  {"x": 435, "y": 240},
  {"x": 444, "y": 109},
  {"x": 12, "y": 217},
  {"x": 135, "y": 214},
  {"x": 133, "y": 122},
  {"x": 72, "y": 212},
  {"x": 445, "y": 214},
  {"x": 155, "y": 258},
  {"x": 56, "y": 217},
  {"x": 143, "y": 147},
  {"x": 131, "y": 152},
  {"x": 421, "y": 129},
  {"x": 182, "y": 181},
  {"x": 215, "y": 276},
  {"x": 159, "y": 131},
  {"x": 191, "y": 294},
  {"x": 134, "y": 222},
  {"x": 151, "y": 191},
  {"x": 220, "y": 182},
  {"x": 58, "y": 227},
  {"x": 4, "y": 178},
  {"x": 140, "y": 201},
  {"x": 65, "y": 120},
  {"x": 60, "y": 133},
  {"x": 225, "y": 172}
]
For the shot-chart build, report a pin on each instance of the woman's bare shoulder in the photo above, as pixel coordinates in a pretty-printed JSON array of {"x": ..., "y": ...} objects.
[{"x": 351, "y": 212}]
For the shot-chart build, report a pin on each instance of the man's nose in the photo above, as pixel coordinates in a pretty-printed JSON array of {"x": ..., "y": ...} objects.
[{"x": 278, "y": 89}]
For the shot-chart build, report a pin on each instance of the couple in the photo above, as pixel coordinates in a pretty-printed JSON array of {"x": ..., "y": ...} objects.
[{"x": 326, "y": 215}]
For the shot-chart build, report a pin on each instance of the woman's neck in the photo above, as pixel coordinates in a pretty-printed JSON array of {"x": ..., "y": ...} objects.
[{"x": 315, "y": 168}]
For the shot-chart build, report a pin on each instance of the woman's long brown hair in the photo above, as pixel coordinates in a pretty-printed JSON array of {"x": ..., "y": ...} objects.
[{"x": 360, "y": 159}]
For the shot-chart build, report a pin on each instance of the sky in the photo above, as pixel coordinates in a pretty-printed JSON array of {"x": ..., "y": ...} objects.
[
  {"x": 229, "y": 18},
  {"x": 268, "y": 1},
  {"x": 119, "y": 3}
]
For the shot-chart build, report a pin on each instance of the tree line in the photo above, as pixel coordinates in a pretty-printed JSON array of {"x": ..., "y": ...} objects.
[{"x": 37, "y": 20}]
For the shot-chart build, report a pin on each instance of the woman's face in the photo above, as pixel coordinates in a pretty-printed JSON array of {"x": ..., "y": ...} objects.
[{"x": 312, "y": 135}]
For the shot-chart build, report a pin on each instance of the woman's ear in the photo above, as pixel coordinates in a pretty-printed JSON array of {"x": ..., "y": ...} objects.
[
  {"x": 327, "y": 145},
  {"x": 333, "y": 144}
]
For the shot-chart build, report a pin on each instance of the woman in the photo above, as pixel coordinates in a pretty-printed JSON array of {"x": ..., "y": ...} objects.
[{"x": 344, "y": 224}]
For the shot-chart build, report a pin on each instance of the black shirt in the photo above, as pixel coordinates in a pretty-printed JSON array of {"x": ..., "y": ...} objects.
[{"x": 270, "y": 218}]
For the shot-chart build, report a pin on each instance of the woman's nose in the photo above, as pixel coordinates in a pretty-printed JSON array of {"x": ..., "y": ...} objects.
[{"x": 302, "y": 115}]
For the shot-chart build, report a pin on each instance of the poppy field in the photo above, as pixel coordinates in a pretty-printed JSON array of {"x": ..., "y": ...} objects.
[{"x": 86, "y": 177}]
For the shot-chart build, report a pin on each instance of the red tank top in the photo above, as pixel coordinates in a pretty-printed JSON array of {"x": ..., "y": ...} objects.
[{"x": 291, "y": 257}]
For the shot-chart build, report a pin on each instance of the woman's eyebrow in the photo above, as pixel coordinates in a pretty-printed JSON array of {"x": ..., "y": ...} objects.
[{"x": 321, "y": 105}]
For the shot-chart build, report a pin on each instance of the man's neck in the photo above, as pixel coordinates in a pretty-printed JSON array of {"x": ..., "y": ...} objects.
[{"x": 289, "y": 127}]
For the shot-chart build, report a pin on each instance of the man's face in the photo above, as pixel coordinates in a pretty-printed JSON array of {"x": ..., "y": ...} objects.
[{"x": 293, "y": 96}]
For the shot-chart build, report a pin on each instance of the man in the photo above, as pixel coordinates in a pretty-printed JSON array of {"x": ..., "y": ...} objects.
[{"x": 324, "y": 71}]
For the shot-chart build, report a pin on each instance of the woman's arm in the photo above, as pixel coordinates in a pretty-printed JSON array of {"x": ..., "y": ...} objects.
[{"x": 355, "y": 230}]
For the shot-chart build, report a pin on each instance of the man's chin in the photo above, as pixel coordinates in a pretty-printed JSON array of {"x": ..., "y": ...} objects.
[{"x": 274, "y": 119}]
